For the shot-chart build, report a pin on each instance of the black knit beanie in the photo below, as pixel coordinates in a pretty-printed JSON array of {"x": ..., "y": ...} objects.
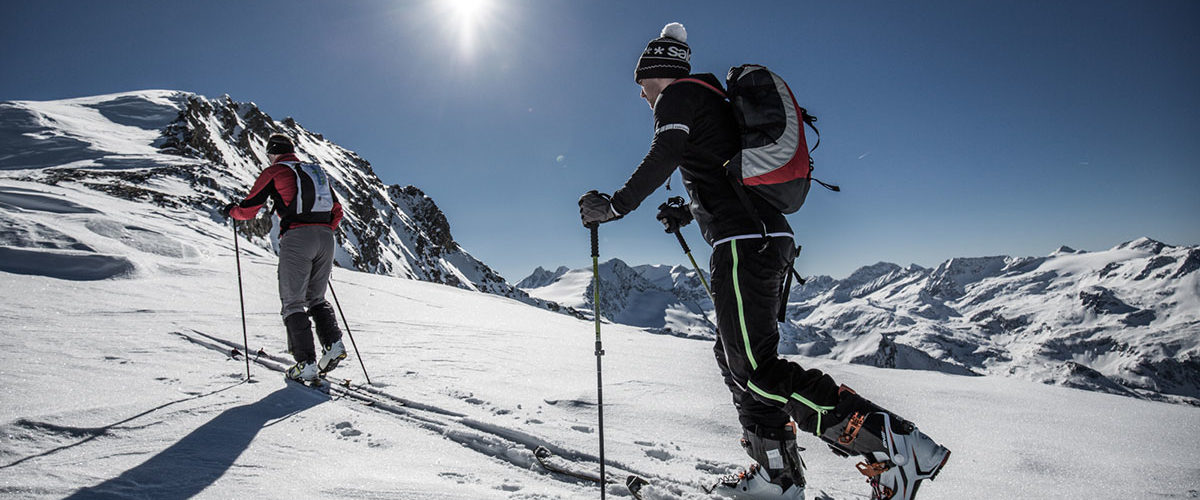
[
  {"x": 667, "y": 56},
  {"x": 279, "y": 144}
]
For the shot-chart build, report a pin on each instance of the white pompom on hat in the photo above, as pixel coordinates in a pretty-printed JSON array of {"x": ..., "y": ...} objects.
[
  {"x": 676, "y": 31},
  {"x": 667, "y": 56}
]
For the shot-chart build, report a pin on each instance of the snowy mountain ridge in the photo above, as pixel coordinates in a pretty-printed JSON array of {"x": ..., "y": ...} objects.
[
  {"x": 662, "y": 299},
  {"x": 186, "y": 153},
  {"x": 1124, "y": 320}
]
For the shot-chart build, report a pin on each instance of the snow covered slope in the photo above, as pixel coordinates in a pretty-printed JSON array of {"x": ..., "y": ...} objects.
[
  {"x": 662, "y": 299},
  {"x": 1124, "y": 321},
  {"x": 110, "y": 392},
  {"x": 119, "y": 303},
  {"x": 179, "y": 156}
]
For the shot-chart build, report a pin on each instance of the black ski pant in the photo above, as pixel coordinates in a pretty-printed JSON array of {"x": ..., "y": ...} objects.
[{"x": 747, "y": 285}]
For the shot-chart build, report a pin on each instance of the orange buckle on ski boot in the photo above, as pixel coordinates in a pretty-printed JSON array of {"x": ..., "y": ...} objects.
[
  {"x": 852, "y": 427},
  {"x": 871, "y": 470}
]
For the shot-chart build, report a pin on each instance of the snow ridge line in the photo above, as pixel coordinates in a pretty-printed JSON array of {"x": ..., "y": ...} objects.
[{"x": 511, "y": 445}]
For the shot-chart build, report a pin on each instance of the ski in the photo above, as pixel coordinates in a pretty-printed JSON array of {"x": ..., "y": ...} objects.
[
  {"x": 554, "y": 463},
  {"x": 560, "y": 465},
  {"x": 337, "y": 387},
  {"x": 319, "y": 384},
  {"x": 635, "y": 485}
]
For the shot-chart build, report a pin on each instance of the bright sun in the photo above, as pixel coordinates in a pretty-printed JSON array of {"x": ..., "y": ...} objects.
[
  {"x": 467, "y": 18},
  {"x": 467, "y": 11}
]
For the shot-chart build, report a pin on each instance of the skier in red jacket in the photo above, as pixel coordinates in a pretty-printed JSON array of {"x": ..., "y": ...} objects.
[{"x": 309, "y": 212}]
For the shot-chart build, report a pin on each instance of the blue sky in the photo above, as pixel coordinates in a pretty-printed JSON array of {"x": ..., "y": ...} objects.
[{"x": 956, "y": 128}]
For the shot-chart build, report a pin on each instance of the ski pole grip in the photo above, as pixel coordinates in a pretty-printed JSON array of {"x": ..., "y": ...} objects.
[{"x": 595, "y": 228}]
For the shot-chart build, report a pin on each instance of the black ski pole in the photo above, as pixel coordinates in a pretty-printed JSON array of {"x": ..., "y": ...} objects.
[
  {"x": 688, "y": 251},
  {"x": 237, "y": 255},
  {"x": 351, "y": 335},
  {"x": 677, "y": 202},
  {"x": 599, "y": 347}
]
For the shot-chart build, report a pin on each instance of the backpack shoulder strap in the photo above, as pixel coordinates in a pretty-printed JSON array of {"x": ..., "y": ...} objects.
[{"x": 703, "y": 83}]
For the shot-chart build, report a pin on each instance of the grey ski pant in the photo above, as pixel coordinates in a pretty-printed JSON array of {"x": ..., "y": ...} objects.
[{"x": 305, "y": 261}]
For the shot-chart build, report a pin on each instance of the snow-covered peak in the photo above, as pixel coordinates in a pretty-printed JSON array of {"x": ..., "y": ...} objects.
[
  {"x": 1064, "y": 250},
  {"x": 662, "y": 299},
  {"x": 1143, "y": 243},
  {"x": 541, "y": 277},
  {"x": 180, "y": 155}
]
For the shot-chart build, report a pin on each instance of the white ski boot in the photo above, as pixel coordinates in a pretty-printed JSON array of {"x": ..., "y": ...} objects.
[
  {"x": 907, "y": 459},
  {"x": 897, "y": 455},
  {"x": 304, "y": 372},
  {"x": 778, "y": 473},
  {"x": 755, "y": 484},
  {"x": 331, "y": 356}
]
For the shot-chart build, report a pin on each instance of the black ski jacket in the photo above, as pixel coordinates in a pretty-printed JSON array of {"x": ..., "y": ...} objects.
[{"x": 694, "y": 129}]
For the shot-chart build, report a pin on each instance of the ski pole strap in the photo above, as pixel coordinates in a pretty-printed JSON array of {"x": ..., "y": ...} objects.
[{"x": 787, "y": 284}]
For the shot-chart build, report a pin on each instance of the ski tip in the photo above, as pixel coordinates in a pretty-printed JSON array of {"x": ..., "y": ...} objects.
[{"x": 635, "y": 483}]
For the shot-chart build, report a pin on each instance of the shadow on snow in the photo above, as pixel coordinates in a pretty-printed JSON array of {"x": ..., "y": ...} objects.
[{"x": 200, "y": 458}]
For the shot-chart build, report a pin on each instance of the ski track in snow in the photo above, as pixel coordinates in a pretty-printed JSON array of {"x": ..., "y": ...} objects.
[
  {"x": 100, "y": 412},
  {"x": 497, "y": 441}
]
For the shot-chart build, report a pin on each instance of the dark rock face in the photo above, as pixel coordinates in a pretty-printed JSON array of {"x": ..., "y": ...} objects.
[
  {"x": 1102, "y": 301},
  {"x": 1190, "y": 264},
  {"x": 216, "y": 147}
]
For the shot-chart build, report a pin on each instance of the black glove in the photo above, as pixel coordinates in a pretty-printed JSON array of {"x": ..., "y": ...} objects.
[
  {"x": 224, "y": 211},
  {"x": 595, "y": 208},
  {"x": 674, "y": 214}
]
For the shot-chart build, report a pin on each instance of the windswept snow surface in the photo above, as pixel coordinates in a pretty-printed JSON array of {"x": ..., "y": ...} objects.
[
  {"x": 104, "y": 397},
  {"x": 108, "y": 303}
]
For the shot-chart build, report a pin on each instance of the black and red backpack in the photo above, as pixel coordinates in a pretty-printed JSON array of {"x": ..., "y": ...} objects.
[{"x": 774, "y": 161}]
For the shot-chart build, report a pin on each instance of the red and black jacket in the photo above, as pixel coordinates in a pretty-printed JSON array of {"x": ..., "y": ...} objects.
[{"x": 278, "y": 182}]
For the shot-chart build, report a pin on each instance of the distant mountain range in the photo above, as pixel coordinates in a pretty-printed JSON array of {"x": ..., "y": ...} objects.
[
  {"x": 1123, "y": 321},
  {"x": 663, "y": 299}
]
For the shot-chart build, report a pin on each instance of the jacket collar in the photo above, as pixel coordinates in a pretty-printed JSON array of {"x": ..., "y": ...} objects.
[{"x": 287, "y": 157}]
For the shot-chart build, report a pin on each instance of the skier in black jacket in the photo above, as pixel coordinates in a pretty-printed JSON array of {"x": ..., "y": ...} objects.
[{"x": 695, "y": 130}]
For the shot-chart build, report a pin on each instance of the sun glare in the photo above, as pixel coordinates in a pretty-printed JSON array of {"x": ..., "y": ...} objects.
[
  {"x": 467, "y": 11},
  {"x": 467, "y": 19}
]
